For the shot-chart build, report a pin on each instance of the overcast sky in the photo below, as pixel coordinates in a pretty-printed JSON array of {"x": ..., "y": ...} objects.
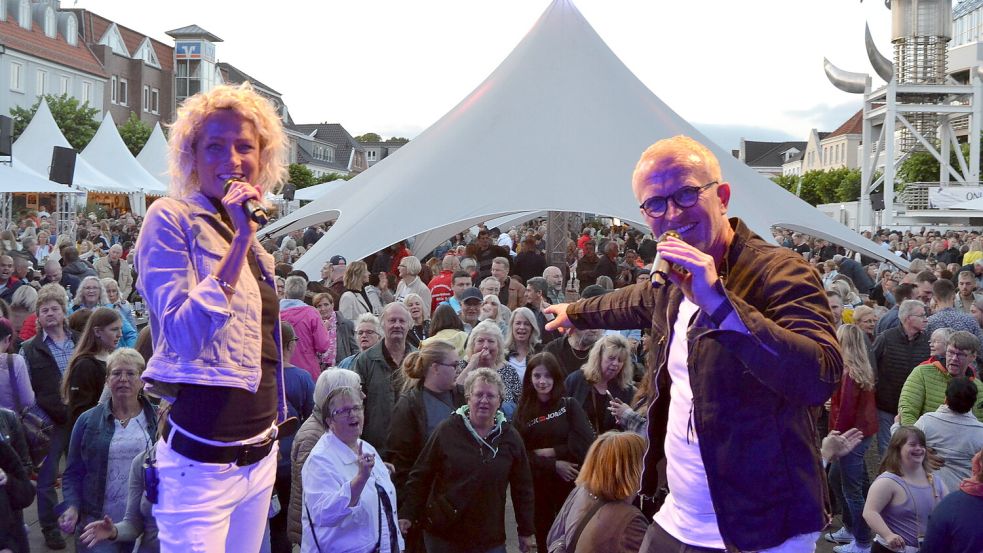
[{"x": 733, "y": 69}]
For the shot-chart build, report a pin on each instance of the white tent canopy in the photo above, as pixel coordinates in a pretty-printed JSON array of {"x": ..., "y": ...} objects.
[
  {"x": 33, "y": 150},
  {"x": 108, "y": 153},
  {"x": 15, "y": 180},
  {"x": 153, "y": 156},
  {"x": 569, "y": 120}
]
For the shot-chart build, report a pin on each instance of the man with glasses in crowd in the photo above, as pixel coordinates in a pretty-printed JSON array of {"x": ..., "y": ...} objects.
[
  {"x": 744, "y": 327},
  {"x": 924, "y": 389}
]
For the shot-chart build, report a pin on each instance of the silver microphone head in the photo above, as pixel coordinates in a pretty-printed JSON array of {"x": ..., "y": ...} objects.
[{"x": 661, "y": 267}]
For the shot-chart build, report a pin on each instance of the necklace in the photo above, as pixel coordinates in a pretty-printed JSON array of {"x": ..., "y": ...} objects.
[{"x": 574, "y": 352}]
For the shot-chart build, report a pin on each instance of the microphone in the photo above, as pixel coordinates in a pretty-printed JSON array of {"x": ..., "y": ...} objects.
[
  {"x": 253, "y": 209},
  {"x": 661, "y": 267}
]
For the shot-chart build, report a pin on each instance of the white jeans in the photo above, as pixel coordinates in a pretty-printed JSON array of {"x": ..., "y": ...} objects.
[{"x": 211, "y": 507}]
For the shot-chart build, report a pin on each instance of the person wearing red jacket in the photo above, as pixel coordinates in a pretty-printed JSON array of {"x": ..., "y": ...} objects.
[{"x": 441, "y": 286}]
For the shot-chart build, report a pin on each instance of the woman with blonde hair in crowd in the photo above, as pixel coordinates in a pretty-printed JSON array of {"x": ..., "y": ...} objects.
[
  {"x": 420, "y": 315},
  {"x": 92, "y": 294},
  {"x": 853, "y": 406},
  {"x": 975, "y": 252},
  {"x": 486, "y": 348},
  {"x": 359, "y": 297},
  {"x": 903, "y": 495},
  {"x": 599, "y": 515},
  {"x": 522, "y": 339},
  {"x": 493, "y": 310},
  {"x": 866, "y": 320},
  {"x": 22, "y": 305},
  {"x": 606, "y": 375}
]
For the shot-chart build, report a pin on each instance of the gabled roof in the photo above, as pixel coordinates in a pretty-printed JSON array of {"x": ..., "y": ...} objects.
[
  {"x": 336, "y": 134},
  {"x": 769, "y": 154},
  {"x": 93, "y": 26},
  {"x": 56, "y": 50},
  {"x": 853, "y": 125},
  {"x": 965, "y": 7},
  {"x": 305, "y": 157},
  {"x": 193, "y": 31},
  {"x": 233, "y": 74},
  {"x": 432, "y": 187},
  {"x": 797, "y": 157}
]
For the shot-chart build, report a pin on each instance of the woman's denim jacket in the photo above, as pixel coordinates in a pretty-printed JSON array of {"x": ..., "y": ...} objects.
[{"x": 201, "y": 336}]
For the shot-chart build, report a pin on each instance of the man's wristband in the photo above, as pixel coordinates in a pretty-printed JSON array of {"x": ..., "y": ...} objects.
[{"x": 724, "y": 309}]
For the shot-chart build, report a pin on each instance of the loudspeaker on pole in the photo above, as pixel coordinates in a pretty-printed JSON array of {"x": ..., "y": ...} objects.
[{"x": 62, "y": 165}]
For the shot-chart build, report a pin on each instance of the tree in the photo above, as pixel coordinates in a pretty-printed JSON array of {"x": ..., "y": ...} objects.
[
  {"x": 788, "y": 182},
  {"x": 920, "y": 166},
  {"x": 809, "y": 188},
  {"x": 300, "y": 175},
  {"x": 77, "y": 122},
  {"x": 398, "y": 139},
  {"x": 134, "y": 133},
  {"x": 332, "y": 177},
  {"x": 368, "y": 137}
]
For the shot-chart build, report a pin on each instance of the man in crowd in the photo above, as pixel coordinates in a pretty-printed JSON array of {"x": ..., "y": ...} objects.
[
  {"x": 47, "y": 355},
  {"x": 923, "y": 288},
  {"x": 554, "y": 280},
  {"x": 945, "y": 314},
  {"x": 765, "y": 355},
  {"x": 897, "y": 351},
  {"x": 902, "y": 292},
  {"x": 530, "y": 262},
  {"x": 441, "y": 285},
  {"x": 54, "y": 274},
  {"x": 470, "y": 307},
  {"x": 484, "y": 252},
  {"x": 800, "y": 246},
  {"x": 114, "y": 267},
  {"x": 368, "y": 332},
  {"x": 953, "y": 431},
  {"x": 460, "y": 283},
  {"x": 535, "y": 300},
  {"x": 382, "y": 379},
  {"x": 608, "y": 264},
  {"x": 967, "y": 292},
  {"x": 924, "y": 389},
  {"x": 835, "y": 306},
  {"x": 333, "y": 276},
  {"x": 853, "y": 269},
  {"x": 9, "y": 283},
  {"x": 511, "y": 292},
  {"x": 573, "y": 347}
]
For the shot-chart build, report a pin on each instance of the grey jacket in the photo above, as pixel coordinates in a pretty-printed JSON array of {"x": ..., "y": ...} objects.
[
  {"x": 138, "y": 522},
  {"x": 308, "y": 435},
  {"x": 381, "y": 383},
  {"x": 956, "y": 438}
]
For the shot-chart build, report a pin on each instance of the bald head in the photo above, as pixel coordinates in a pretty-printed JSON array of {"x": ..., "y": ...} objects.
[{"x": 675, "y": 157}]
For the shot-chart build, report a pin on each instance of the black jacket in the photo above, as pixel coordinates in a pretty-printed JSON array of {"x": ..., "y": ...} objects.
[
  {"x": 453, "y": 464},
  {"x": 46, "y": 376},
  {"x": 753, "y": 392},
  {"x": 580, "y": 391},
  {"x": 15, "y": 495},
  {"x": 408, "y": 432},
  {"x": 896, "y": 356}
]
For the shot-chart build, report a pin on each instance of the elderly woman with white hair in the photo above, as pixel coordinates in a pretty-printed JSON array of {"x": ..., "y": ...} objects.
[
  {"x": 118, "y": 301},
  {"x": 92, "y": 294},
  {"x": 420, "y": 319},
  {"x": 409, "y": 282},
  {"x": 493, "y": 310},
  {"x": 486, "y": 348},
  {"x": 115, "y": 267},
  {"x": 308, "y": 435}
]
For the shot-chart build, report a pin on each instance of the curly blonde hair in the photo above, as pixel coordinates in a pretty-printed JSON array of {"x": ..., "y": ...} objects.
[{"x": 249, "y": 105}]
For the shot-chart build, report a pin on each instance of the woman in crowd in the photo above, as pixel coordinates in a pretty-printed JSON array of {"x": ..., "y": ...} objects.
[
  {"x": 359, "y": 297},
  {"x": 866, "y": 320},
  {"x": 903, "y": 495},
  {"x": 456, "y": 489},
  {"x": 600, "y": 509},
  {"x": 91, "y": 294},
  {"x": 633, "y": 417},
  {"x": 226, "y": 147},
  {"x": 493, "y": 310},
  {"x": 486, "y": 348},
  {"x": 845, "y": 288},
  {"x": 446, "y": 326},
  {"x": 606, "y": 375},
  {"x": 15, "y": 380},
  {"x": 349, "y": 499},
  {"x": 954, "y": 526},
  {"x": 937, "y": 344},
  {"x": 16, "y": 494},
  {"x": 313, "y": 340},
  {"x": 522, "y": 339},
  {"x": 117, "y": 302},
  {"x": 556, "y": 434},
  {"x": 22, "y": 306},
  {"x": 308, "y": 435},
  {"x": 85, "y": 377},
  {"x": 853, "y": 406},
  {"x": 975, "y": 251},
  {"x": 340, "y": 330},
  {"x": 429, "y": 397},
  {"x": 104, "y": 442},
  {"x": 420, "y": 313},
  {"x": 409, "y": 283}
]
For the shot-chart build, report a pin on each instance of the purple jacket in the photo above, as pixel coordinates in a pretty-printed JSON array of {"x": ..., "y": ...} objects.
[{"x": 312, "y": 337}]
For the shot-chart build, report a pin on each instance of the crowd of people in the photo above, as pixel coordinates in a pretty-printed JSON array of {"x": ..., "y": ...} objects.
[{"x": 171, "y": 375}]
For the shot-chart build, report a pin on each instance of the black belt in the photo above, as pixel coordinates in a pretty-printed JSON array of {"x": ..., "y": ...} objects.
[{"x": 242, "y": 455}]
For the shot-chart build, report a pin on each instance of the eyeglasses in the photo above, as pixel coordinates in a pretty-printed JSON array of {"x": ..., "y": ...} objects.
[
  {"x": 455, "y": 365},
  {"x": 685, "y": 197},
  {"x": 365, "y": 332},
  {"x": 956, "y": 354},
  {"x": 117, "y": 375},
  {"x": 483, "y": 396},
  {"x": 348, "y": 411}
]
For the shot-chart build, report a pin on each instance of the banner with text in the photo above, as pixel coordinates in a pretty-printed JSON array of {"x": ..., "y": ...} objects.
[{"x": 945, "y": 198}]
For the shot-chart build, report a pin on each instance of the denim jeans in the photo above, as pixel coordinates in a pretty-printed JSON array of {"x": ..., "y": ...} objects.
[
  {"x": 47, "y": 475},
  {"x": 851, "y": 471},
  {"x": 884, "y": 422}
]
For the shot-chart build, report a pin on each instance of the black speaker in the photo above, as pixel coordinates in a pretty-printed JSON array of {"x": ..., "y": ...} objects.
[
  {"x": 6, "y": 135},
  {"x": 62, "y": 165},
  {"x": 877, "y": 201},
  {"x": 288, "y": 192}
]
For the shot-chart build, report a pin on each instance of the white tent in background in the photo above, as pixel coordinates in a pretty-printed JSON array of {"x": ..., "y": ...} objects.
[
  {"x": 33, "y": 150},
  {"x": 571, "y": 120},
  {"x": 314, "y": 192},
  {"x": 108, "y": 153},
  {"x": 153, "y": 156},
  {"x": 14, "y": 180}
]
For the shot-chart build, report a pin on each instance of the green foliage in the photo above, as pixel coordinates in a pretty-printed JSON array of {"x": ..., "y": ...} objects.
[
  {"x": 920, "y": 166},
  {"x": 826, "y": 187},
  {"x": 77, "y": 122},
  {"x": 399, "y": 139},
  {"x": 809, "y": 189},
  {"x": 134, "y": 133},
  {"x": 332, "y": 177},
  {"x": 300, "y": 176},
  {"x": 788, "y": 182},
  {"x": 368, "y": 137}
]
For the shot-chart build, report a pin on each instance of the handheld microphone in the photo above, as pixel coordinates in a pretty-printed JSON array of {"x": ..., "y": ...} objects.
[
  {"x": 661, "y": 267},
  {"x": 253, "y": 209}
]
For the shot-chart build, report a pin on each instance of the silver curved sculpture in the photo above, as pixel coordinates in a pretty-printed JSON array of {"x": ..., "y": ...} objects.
[
  {"x": 882, "y": 66},
  {"x": 847, "y": 81}
]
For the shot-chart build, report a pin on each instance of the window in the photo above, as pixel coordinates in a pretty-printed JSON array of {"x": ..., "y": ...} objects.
[
  {"x": 50, "y": 25},
  {"x": 113, "y": 87},
  {"x": 42, "y": 84},
  {"x": 123, "y": 92},
  {"x": 16, "y": 77},
  {"x": 71, "y": 30},
  {"x": 86, "y": 92},
  {"x": 65, "y": 84},
  {"x": 24, "y": 14},
  {"x": 370, "y": 154},
  {"x": 3, "y": 10},
  {"x": 154, "y": 100},
  {"x": 146, "y": 98}
]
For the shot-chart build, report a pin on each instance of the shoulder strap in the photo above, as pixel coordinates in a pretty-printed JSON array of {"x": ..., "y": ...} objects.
[
  {"x": 14, "y": 387},
  {"x": 310, "y": 522},
  {"x": 572, "y": 548}
]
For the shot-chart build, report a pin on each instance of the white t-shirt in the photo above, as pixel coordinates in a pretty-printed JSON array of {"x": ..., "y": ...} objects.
[{"x": 687, "y": 514}]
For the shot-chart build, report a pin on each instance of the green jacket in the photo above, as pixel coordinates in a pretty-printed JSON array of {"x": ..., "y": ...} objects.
[{"x": 924, "y": 391}]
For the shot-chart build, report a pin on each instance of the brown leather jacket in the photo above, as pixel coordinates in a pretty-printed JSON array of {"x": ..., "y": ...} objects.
[{"x": 752, "y": 391}]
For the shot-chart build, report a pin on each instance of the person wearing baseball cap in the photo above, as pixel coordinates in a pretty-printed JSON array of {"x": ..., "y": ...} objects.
[
  {"x": 470, "y": 307},
  {"x": 333, "y": 275}
]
